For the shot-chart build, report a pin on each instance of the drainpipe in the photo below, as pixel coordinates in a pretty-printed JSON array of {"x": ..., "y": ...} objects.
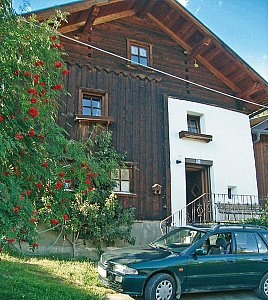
[{"x": 258, "y": 134}]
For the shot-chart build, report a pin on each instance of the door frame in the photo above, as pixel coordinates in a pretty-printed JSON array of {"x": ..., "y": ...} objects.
[{"x": 203, "y": 166}]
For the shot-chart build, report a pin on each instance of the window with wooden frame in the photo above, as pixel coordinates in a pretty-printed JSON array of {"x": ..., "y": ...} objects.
[
  {"x": 194, "y": 129},
  {"x": 93, "y": 106},
  {"x": 123, "y": 180},
  {"x": 139, "y": 52},
  {"x": 193, "y": 123}
]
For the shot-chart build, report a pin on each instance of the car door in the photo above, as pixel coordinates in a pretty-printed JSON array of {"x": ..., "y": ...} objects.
[
  {"x": 214, "y": 270},
  {"x": 252, "y": 258}
]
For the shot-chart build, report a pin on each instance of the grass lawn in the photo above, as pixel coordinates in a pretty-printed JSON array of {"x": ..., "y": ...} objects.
[{"x": 47, "y": 278}]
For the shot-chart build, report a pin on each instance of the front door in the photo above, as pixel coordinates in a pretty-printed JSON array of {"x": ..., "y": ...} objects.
[{"x": 197, "y": 184}]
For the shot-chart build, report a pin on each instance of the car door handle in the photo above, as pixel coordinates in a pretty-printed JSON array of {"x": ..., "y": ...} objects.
[
  {"x": 265, "y": 259},
  {"x": 230, "y": 260}
]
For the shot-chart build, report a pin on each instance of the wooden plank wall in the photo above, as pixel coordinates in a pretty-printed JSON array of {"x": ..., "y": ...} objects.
[
  {"x": 261, "y": 160},
  {"x": 137, "y": 101}
]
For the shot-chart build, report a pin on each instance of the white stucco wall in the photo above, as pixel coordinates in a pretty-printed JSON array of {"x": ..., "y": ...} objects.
[{"x": 231, "y": 149}]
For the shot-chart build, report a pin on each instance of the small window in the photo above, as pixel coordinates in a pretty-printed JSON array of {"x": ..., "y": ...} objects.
[
  {"x": 91, "y": 105},
  {"x": 231, "y": 192},
  {"x": 122, "y": 179},
  {"x": 139, "y": 55},
  {"x": 139, "y": 52},
  {"x": 193, "y": 123}
]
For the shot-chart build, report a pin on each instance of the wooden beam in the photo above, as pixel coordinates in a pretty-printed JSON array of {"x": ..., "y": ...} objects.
[
  {"x": 171, "y": 33},
  {"x": 101, "y": 20},
  {"x": 199, "y": 57},
  {"x": 255, "y": 87},
  {"x": 217, "y": 73},
  {"x": 116, "y": 16},
  {"x": 143, "y": 11},
  {"x": 93, "y": 14},
  {"x": 72, "y": 7},
  {"x": 199, "y": 48}
]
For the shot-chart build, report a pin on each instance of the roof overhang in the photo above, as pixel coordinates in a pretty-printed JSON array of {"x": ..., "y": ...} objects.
[{"x": 199, "y": 42}]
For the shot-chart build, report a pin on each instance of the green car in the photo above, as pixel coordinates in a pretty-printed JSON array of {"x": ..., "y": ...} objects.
[{"x": 191, "y": 259}]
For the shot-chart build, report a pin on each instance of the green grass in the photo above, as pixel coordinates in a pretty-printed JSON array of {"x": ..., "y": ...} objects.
[{"x": 48, "y": 279}]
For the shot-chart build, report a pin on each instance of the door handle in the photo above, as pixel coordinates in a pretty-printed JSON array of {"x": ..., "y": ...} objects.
[
  {"x": 230, "y": 260},
  {"x": 265, "y": 259}
]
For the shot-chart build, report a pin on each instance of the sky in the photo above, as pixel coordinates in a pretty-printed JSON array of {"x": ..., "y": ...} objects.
[{"x": 241, "y": 24}]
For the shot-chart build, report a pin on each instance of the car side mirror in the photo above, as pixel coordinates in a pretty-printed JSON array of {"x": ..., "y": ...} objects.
[{"x": 200, "y": 251}]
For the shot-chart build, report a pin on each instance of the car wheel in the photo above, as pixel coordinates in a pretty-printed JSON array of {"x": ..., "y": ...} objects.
[
  {"x": 160, "y": 287},
  {"x": 262, "y": 290}
]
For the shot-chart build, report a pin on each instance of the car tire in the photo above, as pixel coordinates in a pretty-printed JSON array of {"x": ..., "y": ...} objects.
[
  {"x": 160, "y": 287},
  {"x": 262, "y": 290}
]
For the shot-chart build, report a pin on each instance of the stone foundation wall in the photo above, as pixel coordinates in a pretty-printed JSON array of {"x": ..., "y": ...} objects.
[{"x": 53, "y": 243}]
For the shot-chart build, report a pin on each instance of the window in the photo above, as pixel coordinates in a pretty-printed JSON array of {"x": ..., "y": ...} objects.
[
  {"x": 193, "y": 123},
  {"x": 93, "y": 106},
  {"x": 246, "y": 243},
  {"x": 122, "y": 179},
  {"x": 218, "y": 244},
  {"x": 261, "y": 245},
  {"x": 139, "y": 55},
  {"x": 139, "y": 52}
]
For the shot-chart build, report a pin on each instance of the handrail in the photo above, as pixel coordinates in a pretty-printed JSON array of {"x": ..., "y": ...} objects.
[
  {"x": 181, "y": 209},
  {"x": 221, "y": 207}
]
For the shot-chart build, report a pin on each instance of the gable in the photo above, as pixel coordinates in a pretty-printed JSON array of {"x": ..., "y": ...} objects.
[{"x": 197, "y": 40}]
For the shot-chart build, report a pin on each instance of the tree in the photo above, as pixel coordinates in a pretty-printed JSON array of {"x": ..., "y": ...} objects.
[{"x": 45, "y": 177}]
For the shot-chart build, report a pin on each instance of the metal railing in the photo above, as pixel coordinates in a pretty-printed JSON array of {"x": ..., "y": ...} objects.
[{"x": 212, "y": 208}]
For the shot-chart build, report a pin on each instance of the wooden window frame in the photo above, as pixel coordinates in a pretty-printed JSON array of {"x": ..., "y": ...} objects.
[
  {"x": 104, "y": 117},
  {"x": 147, "y": 46},
  {"x": 129, "y": 166},
  {"x": 196, "y": 119}
]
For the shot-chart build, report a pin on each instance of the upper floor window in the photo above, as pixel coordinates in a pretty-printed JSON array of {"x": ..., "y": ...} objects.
[
  {"x": 139, "y": 55},
  {"x": 193, "y": 123},
  {"x": 139, "y": 52}
]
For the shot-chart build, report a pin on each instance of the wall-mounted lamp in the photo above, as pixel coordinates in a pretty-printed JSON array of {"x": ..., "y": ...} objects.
[
  {"x": 179, "y": 159},
  {"x": 196, "y": 65}
]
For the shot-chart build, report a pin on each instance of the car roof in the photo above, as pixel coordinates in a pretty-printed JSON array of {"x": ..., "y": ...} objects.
[{"x": 229, "y": 226}]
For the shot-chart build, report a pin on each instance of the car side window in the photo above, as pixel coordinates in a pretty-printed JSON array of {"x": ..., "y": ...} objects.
[
  {"x": 218, "y": 244},
  {"x": 265, "y": 236},
  {"x": 246, "y": 243},
  {"x": 261, "y": 245}
]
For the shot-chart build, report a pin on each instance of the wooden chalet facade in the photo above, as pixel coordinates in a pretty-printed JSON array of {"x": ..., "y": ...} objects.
[{"x": 133, "y": 101}]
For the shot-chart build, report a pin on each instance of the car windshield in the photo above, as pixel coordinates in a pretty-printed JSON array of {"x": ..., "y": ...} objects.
[{"x": 178, "y": 239}]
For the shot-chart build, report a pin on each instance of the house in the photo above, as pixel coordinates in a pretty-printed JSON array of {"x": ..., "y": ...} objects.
[
  {"x": 259, "y": 128},
  {"x": 183, "y": 142}
]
